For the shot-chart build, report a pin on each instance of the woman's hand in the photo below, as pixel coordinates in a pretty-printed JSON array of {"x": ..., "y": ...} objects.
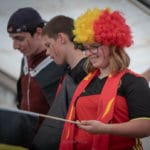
[
  {"x": 92, "y": 126},
  {"x": 136, "y": 128}
]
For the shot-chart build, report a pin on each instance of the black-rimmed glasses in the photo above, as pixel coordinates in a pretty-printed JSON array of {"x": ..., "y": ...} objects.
[{"x": 93, "y": 49}]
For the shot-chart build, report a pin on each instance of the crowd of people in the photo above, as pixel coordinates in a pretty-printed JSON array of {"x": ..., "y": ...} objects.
[{"x": 78, "y": 70}]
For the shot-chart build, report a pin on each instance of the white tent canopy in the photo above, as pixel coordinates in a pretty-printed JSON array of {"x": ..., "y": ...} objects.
[{"x": 137, "y": 18}]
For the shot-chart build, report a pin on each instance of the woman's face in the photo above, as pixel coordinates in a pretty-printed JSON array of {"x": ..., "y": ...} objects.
[
  {"x": 98, "y": 55},
  {"x": 53, "y": 49}
]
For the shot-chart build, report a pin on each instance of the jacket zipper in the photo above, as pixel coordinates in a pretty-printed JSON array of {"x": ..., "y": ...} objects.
[{"x": 28, "y": 93}]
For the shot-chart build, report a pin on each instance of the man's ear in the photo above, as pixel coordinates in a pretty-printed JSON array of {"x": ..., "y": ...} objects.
[
  {"x": 62, "y": 37},
  {"x": 38, "y": 32}
]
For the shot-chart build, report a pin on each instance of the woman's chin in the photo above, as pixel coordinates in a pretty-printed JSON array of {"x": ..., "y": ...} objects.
[{"x": 96, "y": 65}]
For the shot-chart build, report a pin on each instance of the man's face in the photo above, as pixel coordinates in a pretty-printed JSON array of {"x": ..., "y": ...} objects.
[
  {"x": 24, "y": 42},
  {"x": 54, "y": 49}
]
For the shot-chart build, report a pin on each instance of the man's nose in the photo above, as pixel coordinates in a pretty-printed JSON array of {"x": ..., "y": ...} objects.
[{"x": 15, "y": 45}]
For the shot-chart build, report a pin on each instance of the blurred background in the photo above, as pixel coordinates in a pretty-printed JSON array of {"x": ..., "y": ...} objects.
[{"x": 136, "y": 12}]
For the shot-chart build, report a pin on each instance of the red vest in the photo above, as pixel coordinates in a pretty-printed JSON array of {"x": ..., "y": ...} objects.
[{"x": 106, "y": 103}]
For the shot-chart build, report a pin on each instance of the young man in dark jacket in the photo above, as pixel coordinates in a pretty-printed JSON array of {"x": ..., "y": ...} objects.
[
  {"x": 58, "y": 38},
  {"x": 40, "y": 75}
]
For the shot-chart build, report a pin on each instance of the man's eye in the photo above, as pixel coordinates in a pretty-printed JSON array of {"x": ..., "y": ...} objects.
[
  {"x": 47, "y": 45},
  {"x": 19, "y": 38}
]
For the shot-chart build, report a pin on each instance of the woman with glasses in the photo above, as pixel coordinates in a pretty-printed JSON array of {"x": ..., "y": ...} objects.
[{"x": 111, "y": 103}]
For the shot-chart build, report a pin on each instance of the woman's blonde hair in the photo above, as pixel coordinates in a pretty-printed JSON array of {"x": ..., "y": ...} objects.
[{"x": 119, "y": 60}]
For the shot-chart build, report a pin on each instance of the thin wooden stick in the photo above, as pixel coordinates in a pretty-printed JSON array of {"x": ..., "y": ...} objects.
[
  {"x": 38, "y": 114},
  {"x": 57, "y": 118}
]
